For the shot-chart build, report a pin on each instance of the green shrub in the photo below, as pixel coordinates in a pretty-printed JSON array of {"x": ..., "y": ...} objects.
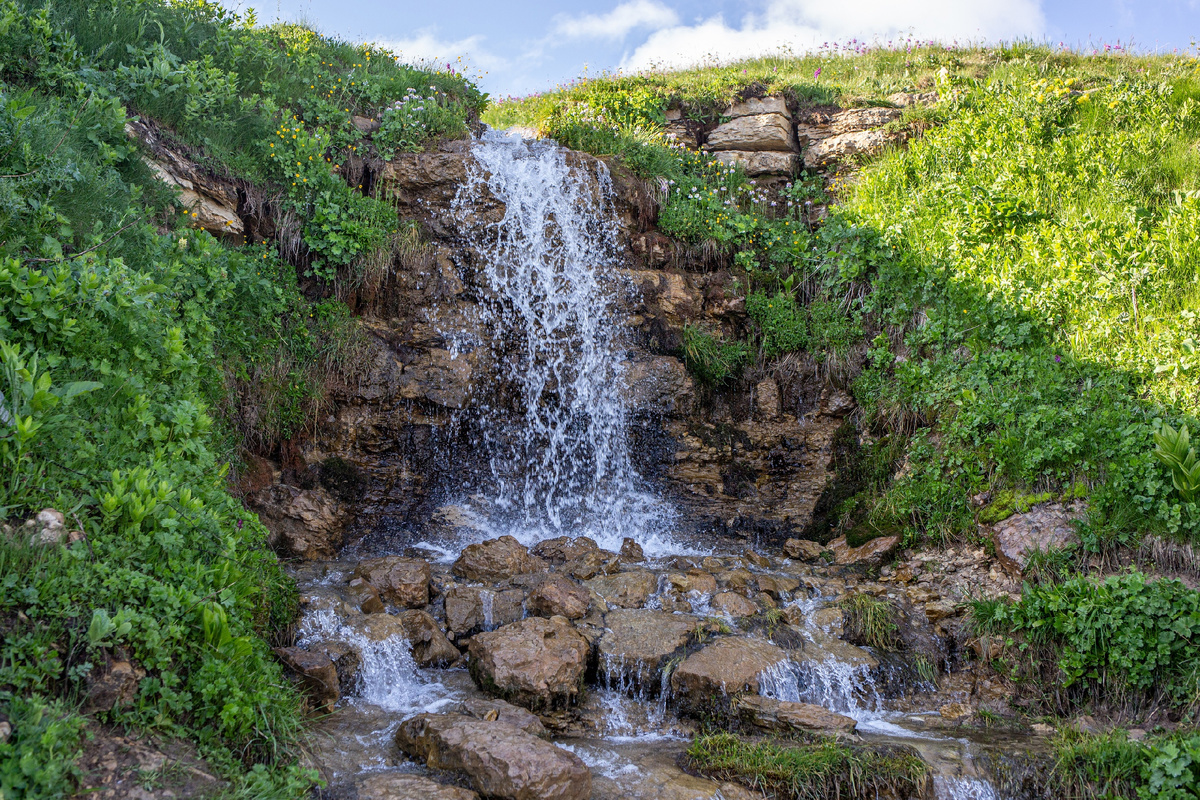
[
  {"x": 871, "y": 621},
  {"x": 781, "y": 320},
  {"x": 714, "y": 361}
]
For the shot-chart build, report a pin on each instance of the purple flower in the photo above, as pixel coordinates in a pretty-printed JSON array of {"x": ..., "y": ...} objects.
[
  {"x": 1058, "y": 359},
  {"x": 817, "y": 73},
  {"x": 239, "y": 524}
]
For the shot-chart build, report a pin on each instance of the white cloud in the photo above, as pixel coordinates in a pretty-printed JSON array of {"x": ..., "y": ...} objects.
[
  {"x": 428, "y": 47},
  {"x": 617, "y": 23},
  {"x": 802, "y": 24}
]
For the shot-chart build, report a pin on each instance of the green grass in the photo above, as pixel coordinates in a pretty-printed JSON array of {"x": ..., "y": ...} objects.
[
  {"x": 871, "y": 621},
  {"x": 139, "y": 357},
  {"x": 820, "y": 770},
  {"x": 1111, "y": 767}
]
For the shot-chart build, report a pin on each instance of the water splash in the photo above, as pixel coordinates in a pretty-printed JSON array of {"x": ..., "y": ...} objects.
[
  {"x": 389, "y": 677},
  {"x": 947, "y": 788},
  {"x": 562, "y": 465},
  {"x": 836, "y": 685}
]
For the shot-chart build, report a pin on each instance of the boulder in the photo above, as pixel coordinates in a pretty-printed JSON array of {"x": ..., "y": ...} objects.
[
  {"x": 557, "y": 596},
  {"x": 430, "y": 648},
  {"x": 365, "y": 596},
  {"x": 347, "y": 661},
  {"x": 495, "y": 560},
  {"x": 802, "y": 549},
  {"x": 316, "y": 673},
  {"x": 761, "y": 163},
  {"x": 861, "y": 119},
  {"x": 753, "y": 133},
  {"x": 470, "y": 608},
  {"x": 498, "y": 710},
  {"x": 563, "y": 548},
  {"x": 625, "y": 589},
  {"x": 733, "y": 605},
  {"x": 365, "y": 124},
  {"x": 731, "y": 665},
  {"x": 846, "y": 146},
  {"x": 631, "y": 551},
  {"x": 637, "y": 642},
  {"x": 779, "y": 587},
  {"x": 592, "y": 563},
  {"x": 737, "y": 580},
  {"x": 112, "y": 685},
  {"x": 781, "y": 715},
  {"x": 535, "y": 662},
  {"x": 1043, "y": 526},
  {"x": 500, "y": 760},
  {"x": 758, "y": 105},
  {"x": 870, "y": 554},
  {"x": 402, "y": 582},
  {"x": 406, "y": 786},
  {"x": 694, "y": 580},
  {"x": 303, "y": 523}
]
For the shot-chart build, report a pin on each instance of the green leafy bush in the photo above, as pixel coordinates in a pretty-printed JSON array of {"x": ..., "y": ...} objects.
[
  {"x": 1173, "y": 448},
  {"x": 713, "y": 360}
]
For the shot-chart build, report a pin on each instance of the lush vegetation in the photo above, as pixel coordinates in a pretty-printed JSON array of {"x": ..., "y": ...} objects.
[
  {"x": 137, "y": 354},
  {"x": 814, "y": 770},
  {"x": 1022, "y": 275},
  {"x": 1113, "y": 767}
]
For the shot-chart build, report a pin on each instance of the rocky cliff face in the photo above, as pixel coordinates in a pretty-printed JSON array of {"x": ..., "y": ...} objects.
[{"x": 746, "y": 461}]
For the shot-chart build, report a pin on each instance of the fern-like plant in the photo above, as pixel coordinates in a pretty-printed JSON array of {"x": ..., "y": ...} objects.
[{"x": 1174, "y": 449}]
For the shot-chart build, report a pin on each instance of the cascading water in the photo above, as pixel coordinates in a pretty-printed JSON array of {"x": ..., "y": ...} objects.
[{"x": 557, "y": 445}]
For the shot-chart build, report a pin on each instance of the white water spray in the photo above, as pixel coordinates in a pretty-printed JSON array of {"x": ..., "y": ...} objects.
[{"x": 562, "y": 466}]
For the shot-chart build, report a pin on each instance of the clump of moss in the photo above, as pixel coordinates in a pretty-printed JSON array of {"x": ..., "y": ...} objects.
[
  {"x": 809, "y": 770},
  {"x": 1007, "y": 502}
]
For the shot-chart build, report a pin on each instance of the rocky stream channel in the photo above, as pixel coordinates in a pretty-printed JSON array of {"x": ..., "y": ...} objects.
[{"x": 536, "y": 557}]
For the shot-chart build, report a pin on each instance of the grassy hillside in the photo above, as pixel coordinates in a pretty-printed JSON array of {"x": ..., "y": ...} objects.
[
  {"x": 137, "y": 354},
  {"x": 1023, "y": 274}
]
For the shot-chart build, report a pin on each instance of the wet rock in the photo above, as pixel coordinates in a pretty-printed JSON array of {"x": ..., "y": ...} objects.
[
  {"x": 871, "y": 554},
  {"x": 778, "y": 587},
  {"x": 404, "y": 786},
  {"x": 112, "y": 685},
  {"x": 763, "y": 163},
  {"x": 557, "y": 596},
  {"x": 592, "y": 563},
  {"x": 737, "y": 580},
  {"x": 347, "y": 661},
  {"x": 694, "y": 580},
  {"x": 538, "y": 663},
  {"x": 733, "y": 605},
  {"x": 377, "y": 627},
  {"x": 470, "y": 609},
  {"x": 430, "y": 648},
  {"x": 956, "y": 712},
  {"x": 317, "y": 675},
  {"x": 496, "y": 560},
  {"x": 625, "y": 589},
  {"x": 779, "y": 715},
  {"x": 563, "y": 548},
  {"x": 500, "y": 760},
  {"x": 730, "y": 665},
  {"x": 365, "y": 596},
  {"x": 637, "y": 642},
  {"x": 1044, "y": 526},
  {"x": 939, "y": 610},
  {"x": 753, "y": 133},
  {"x": 303, "y": 523},
  {"x": 500, "y": 711},
  {"x": 756, "y": 559},
  {"x": 802, "y": 549},
  {"x": 401, "y": 582},
  {"x": 631, "y": 551}
]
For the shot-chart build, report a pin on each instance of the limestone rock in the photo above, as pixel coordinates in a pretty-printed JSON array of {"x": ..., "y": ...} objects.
[
  {"x": 406, "y": 786},
  {"x": 846, "y": 146},
  {"x": 316, "y": 672},
  {"x": 402, "y": 582},
  {"x": 625, "y": 589},
  {"x": 470, "y": 609},
  {"x": 429, "y": 645},
  {"x": 733, "y": 605},
  {"x": 906, "y": 99},
  {"x": 758, "y": 105},
  {"x": 955, "y": 712},
  {"x": 870, "y": 554},
  {"x": 535, "y": 662},
  {"x": 500, "y": 711},
  {"x": 753, "y": 133},
  {"x": 500, "y": 760},
  {"x": 1043, "y": 526},
  {"x": 637, "y": 642},
  {"x": 496, "y": 560},
  {"x": 730, "y": 665},
  {"x": 48, "y": 528},
  {"x": 592, "y": 563},
  {"x": 781, "y": 715},
  {"x": 304, "y": 523},
  {"x": 760, "y": 163},
  {"x": 557, "y": 596},
  {"x": 111, "y": 685},
  {"x": 861, "y": 119},
  {"x": 563, "y": 548}
]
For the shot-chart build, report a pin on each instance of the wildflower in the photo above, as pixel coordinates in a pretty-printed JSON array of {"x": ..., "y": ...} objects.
[{"x": 817, "y": 74}]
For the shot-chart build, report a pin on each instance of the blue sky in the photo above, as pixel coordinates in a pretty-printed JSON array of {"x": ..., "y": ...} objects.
[{"x": 523, "y": 47}]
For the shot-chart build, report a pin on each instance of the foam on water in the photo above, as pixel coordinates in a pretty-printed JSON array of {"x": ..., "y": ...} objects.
[
  {"x": 562, "y": 466},
  {"x": 948, "y": 788},
  {"x": 389, "y": 677}
]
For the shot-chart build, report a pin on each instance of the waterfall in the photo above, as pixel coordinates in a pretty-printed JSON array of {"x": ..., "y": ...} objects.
[{"x": 553, "y": 428}]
